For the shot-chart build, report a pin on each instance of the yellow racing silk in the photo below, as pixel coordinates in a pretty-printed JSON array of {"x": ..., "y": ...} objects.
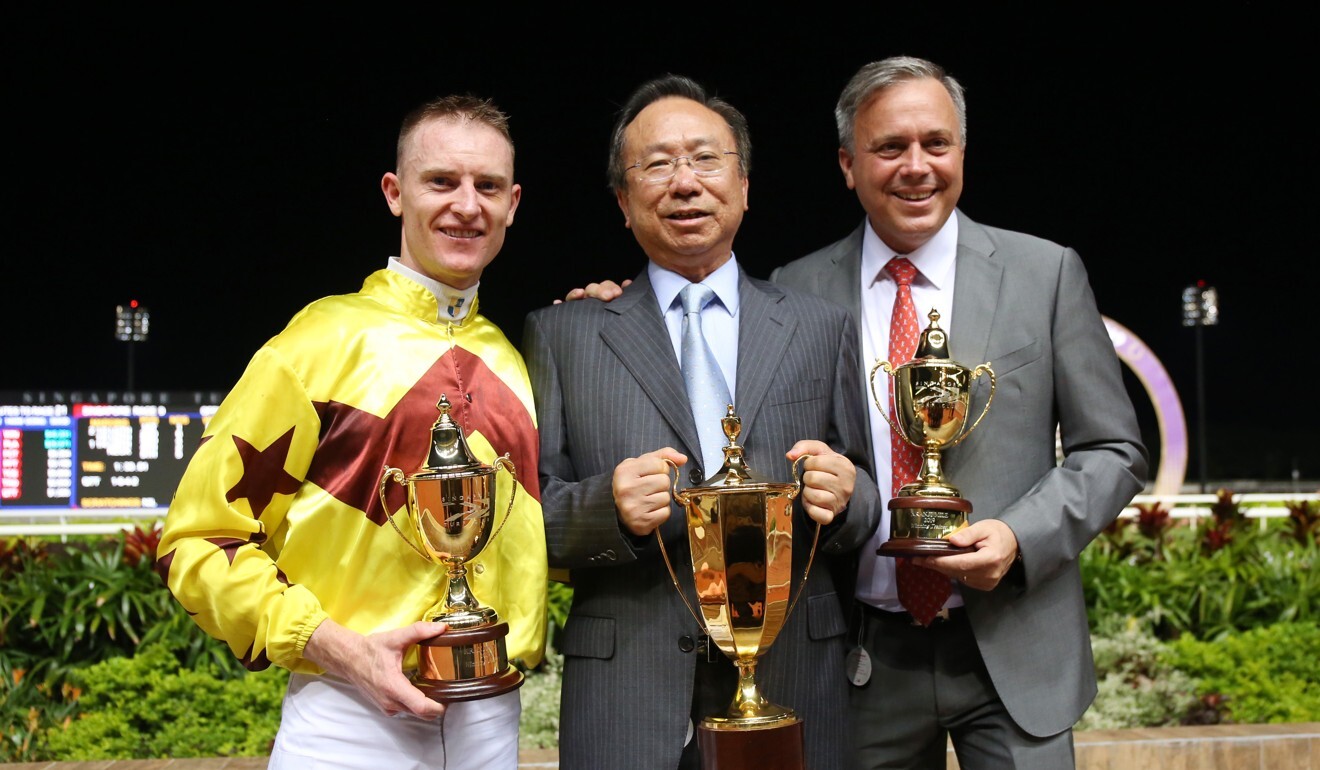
[{"x": 278, "y": 524}]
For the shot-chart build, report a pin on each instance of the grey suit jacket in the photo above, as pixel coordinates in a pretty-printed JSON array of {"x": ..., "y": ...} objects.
[
  {"x": 1024, "y": 305},
  {"x": 608, "y": 387}
]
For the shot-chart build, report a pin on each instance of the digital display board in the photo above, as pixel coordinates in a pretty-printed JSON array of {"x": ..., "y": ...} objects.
[{"x": 128, "y": 453}]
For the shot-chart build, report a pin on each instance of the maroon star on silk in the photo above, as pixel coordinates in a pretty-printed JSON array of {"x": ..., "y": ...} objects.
[
  {"x": 263, "y": 473},
  {"x": 356, "y": 446},
  {"x": 259, "y": 663},
  {"x": 163, "y": 565}
]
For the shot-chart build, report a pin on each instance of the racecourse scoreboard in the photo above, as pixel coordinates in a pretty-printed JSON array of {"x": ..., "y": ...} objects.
[{"x": 128, "y": 453}]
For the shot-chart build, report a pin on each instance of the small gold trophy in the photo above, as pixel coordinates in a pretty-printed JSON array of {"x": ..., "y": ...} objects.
[
  {"x": 450, "y": 503},
  {"x": 931, "y": 397},
  {"x": 740, "y": 531}
]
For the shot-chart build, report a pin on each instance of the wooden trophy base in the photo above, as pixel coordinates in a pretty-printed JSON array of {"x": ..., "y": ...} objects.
[
  {"x": 466, "y": 664},
  {"x": 778, "y": 747},
  {"x": 919, "y": 524}
]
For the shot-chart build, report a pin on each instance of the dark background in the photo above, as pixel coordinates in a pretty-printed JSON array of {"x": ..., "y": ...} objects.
[{"x": 225, "y": 171}]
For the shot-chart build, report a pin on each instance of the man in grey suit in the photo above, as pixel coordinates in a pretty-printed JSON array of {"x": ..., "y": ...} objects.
[
  {"x": 612, "y": 407},
  {"x": 1006, "y": 670}
]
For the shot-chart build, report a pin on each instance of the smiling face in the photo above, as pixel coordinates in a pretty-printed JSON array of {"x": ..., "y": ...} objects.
[
  {"x": 454, "y": 191},
  {"x": 907, "y": 163},
  {"x": 686, "y": 224}
]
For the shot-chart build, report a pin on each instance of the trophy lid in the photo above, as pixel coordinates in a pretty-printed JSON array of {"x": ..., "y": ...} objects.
[
  {"x": 449, "y": 451},
  {"x": 934, "y": 343},
  {"x": 735, "y": 472}
]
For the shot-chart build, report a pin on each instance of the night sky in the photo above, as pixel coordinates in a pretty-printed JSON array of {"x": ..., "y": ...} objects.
[{"x": 225, "y": 172}]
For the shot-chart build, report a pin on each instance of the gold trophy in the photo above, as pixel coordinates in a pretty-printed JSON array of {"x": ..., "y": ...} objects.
[
  {"x": 740, "y": 531},
  {"x": 450, "y": 503},
  {"x": 931, "y": 397}
]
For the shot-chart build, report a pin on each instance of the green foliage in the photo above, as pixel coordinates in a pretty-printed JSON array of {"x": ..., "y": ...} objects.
[
  {"x": 539, "y": 726},
  {"x": 1266, "y": 674},
  {"x": 1225, "y": 575},
  {"x": 560, "y": 599},
  {"x": 1137, "y": 688},
  {"x": 150, "y": 706},
  {"x": 66, "y": 607}
]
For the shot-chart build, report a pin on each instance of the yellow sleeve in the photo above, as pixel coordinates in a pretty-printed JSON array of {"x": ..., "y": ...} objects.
[{"x": 224, "y": 527}]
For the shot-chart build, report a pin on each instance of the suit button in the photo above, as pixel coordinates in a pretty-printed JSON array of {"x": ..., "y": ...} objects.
[
  {"x": 694, "y": 476},
  {"x": 609, "y": 554},
  {"x": 686, "y": 643}
]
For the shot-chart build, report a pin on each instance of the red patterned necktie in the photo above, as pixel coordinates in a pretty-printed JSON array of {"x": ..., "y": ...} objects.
[{"x": 921, "y": 591}]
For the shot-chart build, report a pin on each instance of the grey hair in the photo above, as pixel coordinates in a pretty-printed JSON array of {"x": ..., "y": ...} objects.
[
  {"x": 676, "y": 85},
  {"x": 879, "y": 75}
]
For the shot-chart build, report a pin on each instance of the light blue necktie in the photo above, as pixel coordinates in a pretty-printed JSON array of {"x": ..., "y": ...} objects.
[{"x": 707, "y": 391}]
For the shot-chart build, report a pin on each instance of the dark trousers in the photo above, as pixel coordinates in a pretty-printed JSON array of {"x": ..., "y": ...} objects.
[
  {"x": 930, "y": 684},
  {"x": 713, "y": 690}
]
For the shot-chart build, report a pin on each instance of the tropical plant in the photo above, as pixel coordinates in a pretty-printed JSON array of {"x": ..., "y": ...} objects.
[
  {"x": 1137, "y": 686},
  {"x": 68, "y": 606},
  {"x": 1266, "y": 674},
  {"x": 1254, "y": 578},
  {"x": 149, "y": 706}
]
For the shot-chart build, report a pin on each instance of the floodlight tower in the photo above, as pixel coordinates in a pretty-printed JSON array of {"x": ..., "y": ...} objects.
[
  {"x": 132, "y": 323},
  {"x": 1200, "y": 308}
]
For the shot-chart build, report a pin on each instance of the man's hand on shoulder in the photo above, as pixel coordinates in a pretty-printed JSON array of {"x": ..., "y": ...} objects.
[
  {"x": 374, "y": 664},
  {"x": 641, "y": 489},
  {"x": 827, "y": 480},
  {"x": 604, "y": 291}
]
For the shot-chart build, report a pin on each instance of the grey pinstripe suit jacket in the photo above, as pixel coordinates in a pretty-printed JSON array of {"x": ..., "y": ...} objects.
[
  {"x": 608, "y": 387},
  {"x": 1024, "y": 304}
]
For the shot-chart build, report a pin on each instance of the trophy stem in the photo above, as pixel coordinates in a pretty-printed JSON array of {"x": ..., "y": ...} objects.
[
  {"x": 755, "y": 734},
  {"x": 747, "y": 700},
  {"x": 932, "y": 470},
  {"x": 749, "y": 707},
  {"x": 459, "y": 593}
]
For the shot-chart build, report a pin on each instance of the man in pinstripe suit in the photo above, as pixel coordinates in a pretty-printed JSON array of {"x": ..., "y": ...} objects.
[{"x": 612, "y": 406}]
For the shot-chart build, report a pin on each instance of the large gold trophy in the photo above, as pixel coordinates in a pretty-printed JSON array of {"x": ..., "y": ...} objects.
[
  {"x": 450, "y": 515},
  {"x": 740, "y": 531},
  {"x": 931, "y": 397}
]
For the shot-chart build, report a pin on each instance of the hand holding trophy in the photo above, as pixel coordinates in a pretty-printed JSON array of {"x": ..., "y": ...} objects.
[
  {"x": 740, "y": 532},
  {"x": 931, "y": 394},
  {"x": 449, "y": 510}
]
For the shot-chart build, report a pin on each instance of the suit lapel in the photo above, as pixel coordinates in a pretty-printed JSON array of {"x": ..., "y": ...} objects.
[
  {"x": 976, "y": 295},
  {"x": 637, "y": 335},
  {"x": 842, "y": 284},
  {"x": 765, "y": 327}
]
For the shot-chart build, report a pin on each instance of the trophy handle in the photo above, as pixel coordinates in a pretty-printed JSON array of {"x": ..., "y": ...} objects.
[
  {"x": 397, "y": 475},
  {"x": 976, "y": 373},
  {"x": 681, "y": 497},
  {"x": 811, "y": 557},
  {"x": 797, "y": 478},
  {"x": 889, "y": 370},
  {"x": 507, "y": 464}
]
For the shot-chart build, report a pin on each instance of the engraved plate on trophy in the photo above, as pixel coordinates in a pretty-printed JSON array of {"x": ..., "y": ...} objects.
[
  {"x": 931, "y": 396},
  {"x": 450, "y": 515}
]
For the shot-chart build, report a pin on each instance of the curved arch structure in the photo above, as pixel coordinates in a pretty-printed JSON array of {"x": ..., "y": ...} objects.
[{"x": 1168, "y": 409}]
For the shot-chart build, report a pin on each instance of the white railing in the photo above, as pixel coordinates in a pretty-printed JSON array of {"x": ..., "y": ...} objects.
[
  {"x": 63, "y": 522},
  {"x": 1262, "y": 505}
]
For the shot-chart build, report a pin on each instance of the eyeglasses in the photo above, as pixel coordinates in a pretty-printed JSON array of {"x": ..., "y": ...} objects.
[{"x": 703, "y": 163}]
